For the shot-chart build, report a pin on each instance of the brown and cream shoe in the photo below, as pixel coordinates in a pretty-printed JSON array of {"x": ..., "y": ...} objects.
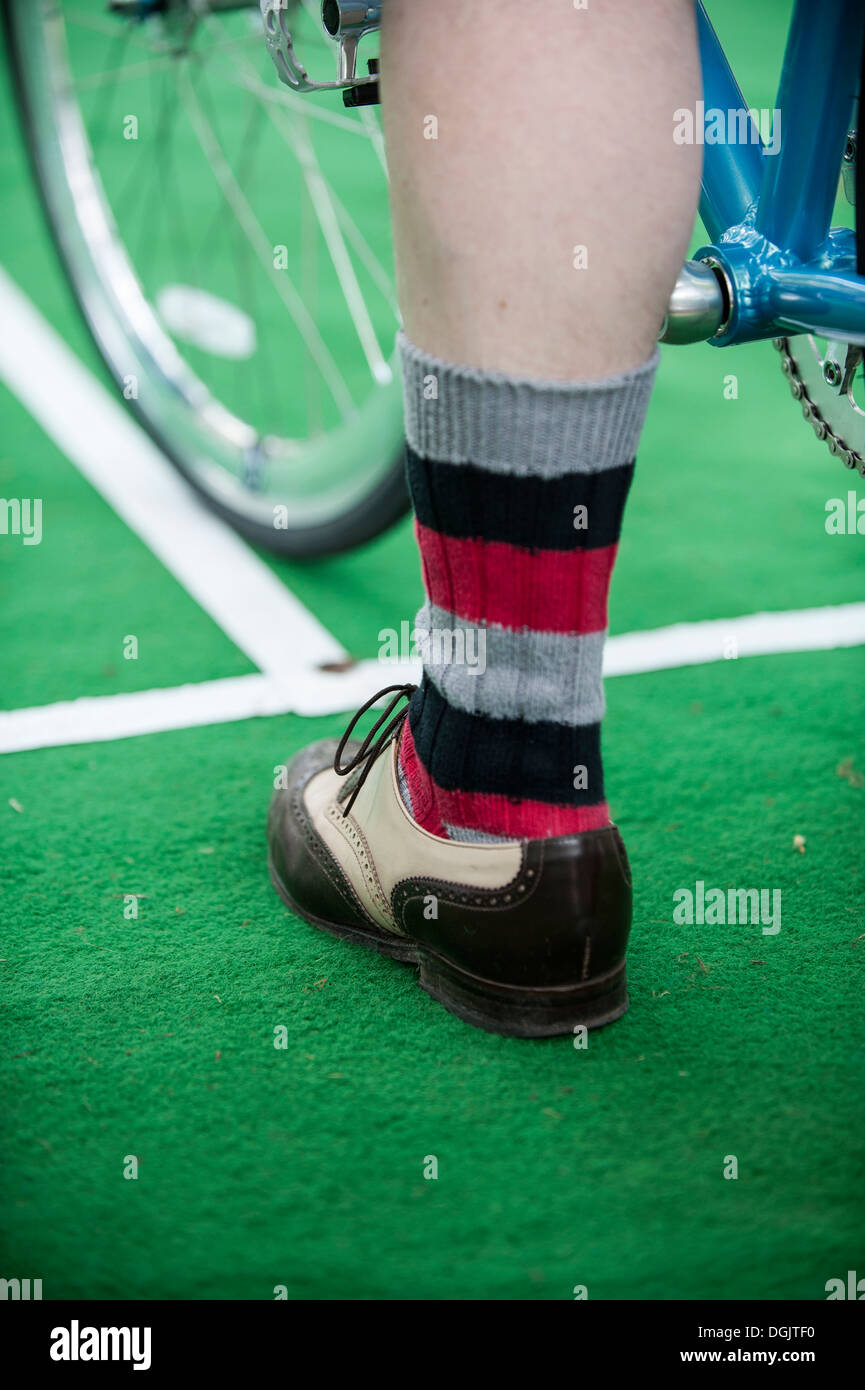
[{"x": 523, "y": 937}]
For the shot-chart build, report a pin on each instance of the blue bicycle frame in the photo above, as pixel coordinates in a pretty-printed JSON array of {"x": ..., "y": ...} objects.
[
  {"x": 774, "y": 267},
  {"x": 768, "y": 215}
]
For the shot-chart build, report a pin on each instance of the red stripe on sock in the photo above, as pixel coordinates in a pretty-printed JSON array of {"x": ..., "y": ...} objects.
[
  {"x": 433, "y": 807},
  {"x": 420, "y": 785},
  {"x": 538, "y": 590},
  {"x": 518, "y": 820}
]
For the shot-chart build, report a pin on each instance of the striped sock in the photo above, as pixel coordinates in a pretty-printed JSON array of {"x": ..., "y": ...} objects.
[{"x": 518, "y": 489}]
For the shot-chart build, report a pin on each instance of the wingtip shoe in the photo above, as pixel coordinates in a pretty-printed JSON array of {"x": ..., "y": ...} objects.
[{"x": 525, "y": 937}]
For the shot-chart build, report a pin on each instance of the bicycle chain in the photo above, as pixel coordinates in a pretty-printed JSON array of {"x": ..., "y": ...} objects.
[{"x": 849, "y": 457}]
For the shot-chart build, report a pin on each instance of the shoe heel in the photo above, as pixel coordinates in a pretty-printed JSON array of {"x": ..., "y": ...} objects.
[{"x": 523, "y": 1012}]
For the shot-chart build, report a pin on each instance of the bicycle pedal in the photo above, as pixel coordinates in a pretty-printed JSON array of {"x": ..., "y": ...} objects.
[{"x": 367, "y": 93}]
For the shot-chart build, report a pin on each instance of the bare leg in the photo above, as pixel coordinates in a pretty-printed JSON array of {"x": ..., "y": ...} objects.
[{"x": 554, "y": 130}]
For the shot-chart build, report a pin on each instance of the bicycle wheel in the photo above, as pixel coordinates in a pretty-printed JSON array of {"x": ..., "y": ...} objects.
[{"x": 239, "y": 301}]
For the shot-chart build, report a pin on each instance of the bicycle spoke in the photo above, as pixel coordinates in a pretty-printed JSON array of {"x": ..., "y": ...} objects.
[
  {"x": 241, "y": 209},
  {"x": 101, "y": 26},
  {"x": 133, "y": 187},
  {"x": 293, "y": 101},
  {"x": 100, "y": 79},
  {"x": 309, "y": 240},
  {"x": 154, "y": 199},
  {"x": 297, "y": 140},
  {"x": 244, "y": 259},
  {"x": 305, "y": 109},
  {"x": 246, "y": 267},
  {"x": 376, "y": 135},
  {"x": 319, "y": 193},
  {"x": 117, "y": 48},
  {"x": 364, "y": 252}
]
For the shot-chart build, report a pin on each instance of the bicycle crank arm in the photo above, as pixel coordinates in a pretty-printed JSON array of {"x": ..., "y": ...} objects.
[{"x": 345, "y": 21}]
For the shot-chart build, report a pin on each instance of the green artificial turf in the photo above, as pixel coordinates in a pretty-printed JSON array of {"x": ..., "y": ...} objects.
[
  {"x": 303, "y": 1166},
  {"x": 556, "y": 1167}
]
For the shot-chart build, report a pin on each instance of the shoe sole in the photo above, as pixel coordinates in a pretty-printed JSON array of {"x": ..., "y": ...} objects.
[{"x": 509, "y": 1010}]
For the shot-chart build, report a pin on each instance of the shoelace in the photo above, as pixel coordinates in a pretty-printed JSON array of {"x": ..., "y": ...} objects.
[{"x": 371, "y": 747}]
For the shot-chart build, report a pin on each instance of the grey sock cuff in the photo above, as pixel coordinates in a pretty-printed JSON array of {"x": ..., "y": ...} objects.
[{"x": 519, "y": 425}]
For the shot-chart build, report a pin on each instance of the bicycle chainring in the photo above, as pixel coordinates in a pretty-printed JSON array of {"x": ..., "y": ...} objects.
[{"x": 822, "y": 375}]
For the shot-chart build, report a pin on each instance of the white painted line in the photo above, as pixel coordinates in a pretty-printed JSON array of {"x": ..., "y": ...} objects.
[
  {"x": 330, "y": 692},
  {"x": 309, "y": 692},
  {"x": 757, "y": 634},
  {"x": 260, "y": 615},
  {"x": 103, "y": 718}
]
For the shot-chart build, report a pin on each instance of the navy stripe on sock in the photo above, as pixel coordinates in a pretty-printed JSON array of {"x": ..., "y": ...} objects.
[
  {"x": 505, "y": 757},
  {"x": 462, "y": 500}
]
